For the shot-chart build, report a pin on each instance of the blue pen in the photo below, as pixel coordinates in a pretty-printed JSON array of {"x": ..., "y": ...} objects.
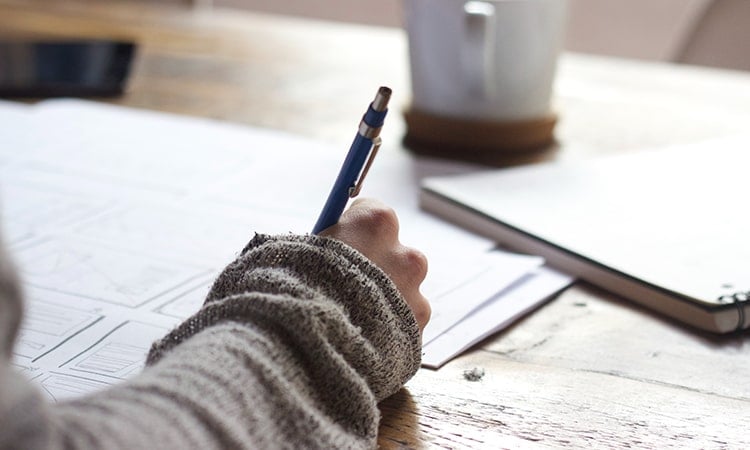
[{"x": 366, "y": 142}]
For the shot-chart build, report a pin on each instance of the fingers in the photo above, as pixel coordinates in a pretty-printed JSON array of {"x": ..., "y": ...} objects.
[
  {"x": 421, "y": 309},
  {"x": 365, "y": 220},
  {"x": 372, "y": 228},
  {"x": 408, "y": 269}
]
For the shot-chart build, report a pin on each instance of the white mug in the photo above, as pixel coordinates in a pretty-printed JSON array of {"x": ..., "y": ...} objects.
[{"x": 484, "y": 60}]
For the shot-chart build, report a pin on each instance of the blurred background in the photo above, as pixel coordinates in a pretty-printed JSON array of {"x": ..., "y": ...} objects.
[{"x": 702, "y": 32}]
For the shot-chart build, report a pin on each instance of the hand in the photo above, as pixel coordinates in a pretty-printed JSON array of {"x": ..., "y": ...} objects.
[{"x": 371, "y": 227}]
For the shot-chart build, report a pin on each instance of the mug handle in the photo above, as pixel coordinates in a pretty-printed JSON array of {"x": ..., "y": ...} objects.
[{"x": 477, "y": 52}]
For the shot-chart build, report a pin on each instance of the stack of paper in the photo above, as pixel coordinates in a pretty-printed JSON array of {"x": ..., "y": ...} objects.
[{"x": 120, "y": 219}]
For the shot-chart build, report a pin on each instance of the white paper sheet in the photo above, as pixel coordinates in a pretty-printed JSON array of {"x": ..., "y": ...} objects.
[
  {"x": 481, "y": 278},
  {"x": 509, "y": 305},
  {"x": 120, "y": 219}
]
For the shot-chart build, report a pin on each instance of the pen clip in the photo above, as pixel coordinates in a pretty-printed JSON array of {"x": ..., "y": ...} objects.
[{"x": 354, "y": 190}]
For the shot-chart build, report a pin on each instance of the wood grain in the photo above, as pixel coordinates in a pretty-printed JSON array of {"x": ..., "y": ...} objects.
[{"x": 588, "y": 370}]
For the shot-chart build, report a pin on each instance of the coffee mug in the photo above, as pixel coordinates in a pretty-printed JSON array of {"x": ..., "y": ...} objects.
[{"x": 489, "y": 60}]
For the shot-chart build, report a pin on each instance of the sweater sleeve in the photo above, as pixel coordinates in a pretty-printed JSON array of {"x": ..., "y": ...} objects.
[{"x": 299, "y": 338}]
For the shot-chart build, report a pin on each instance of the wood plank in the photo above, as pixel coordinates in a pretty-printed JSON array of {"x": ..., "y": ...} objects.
[{"x": 525, "y": 404}]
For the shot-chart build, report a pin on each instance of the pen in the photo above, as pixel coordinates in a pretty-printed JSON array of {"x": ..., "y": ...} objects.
[{"x": 357, "y": 164}]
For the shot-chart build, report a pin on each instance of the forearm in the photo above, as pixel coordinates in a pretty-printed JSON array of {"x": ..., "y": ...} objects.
[
  {"x": 229, "y": 386},
  {"x": 299, "y": 339}
]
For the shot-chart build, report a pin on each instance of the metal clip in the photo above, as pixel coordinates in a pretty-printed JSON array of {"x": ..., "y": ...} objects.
[{"x": 354, "y": 190}]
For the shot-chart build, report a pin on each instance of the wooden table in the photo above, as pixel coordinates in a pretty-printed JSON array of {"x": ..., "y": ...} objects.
[{"x": 586, "y": 370}]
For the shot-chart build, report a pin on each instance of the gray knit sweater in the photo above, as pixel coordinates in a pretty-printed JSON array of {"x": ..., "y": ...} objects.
[{"x": 299, "y": 338}]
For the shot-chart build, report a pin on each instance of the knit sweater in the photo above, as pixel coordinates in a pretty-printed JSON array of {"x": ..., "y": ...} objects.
[{"x": 298, "y": 340}]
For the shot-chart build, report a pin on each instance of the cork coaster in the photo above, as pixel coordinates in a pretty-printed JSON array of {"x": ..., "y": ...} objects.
[{"x": 476, "y": 140}]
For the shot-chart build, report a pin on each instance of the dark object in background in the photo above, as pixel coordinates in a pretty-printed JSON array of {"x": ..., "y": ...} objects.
[{"x": 71, "y": 68}]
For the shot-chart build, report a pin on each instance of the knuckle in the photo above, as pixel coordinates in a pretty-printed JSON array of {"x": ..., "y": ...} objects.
[
  {"x": 384, "y": 216},
  {"x": 416, "y": 263},
  {"x": 422, "y": 311},
  {"x": 380, "y": 219}
]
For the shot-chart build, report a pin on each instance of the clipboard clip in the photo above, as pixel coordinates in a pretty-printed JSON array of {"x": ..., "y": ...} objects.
[{"x": 354, "y": 190}]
